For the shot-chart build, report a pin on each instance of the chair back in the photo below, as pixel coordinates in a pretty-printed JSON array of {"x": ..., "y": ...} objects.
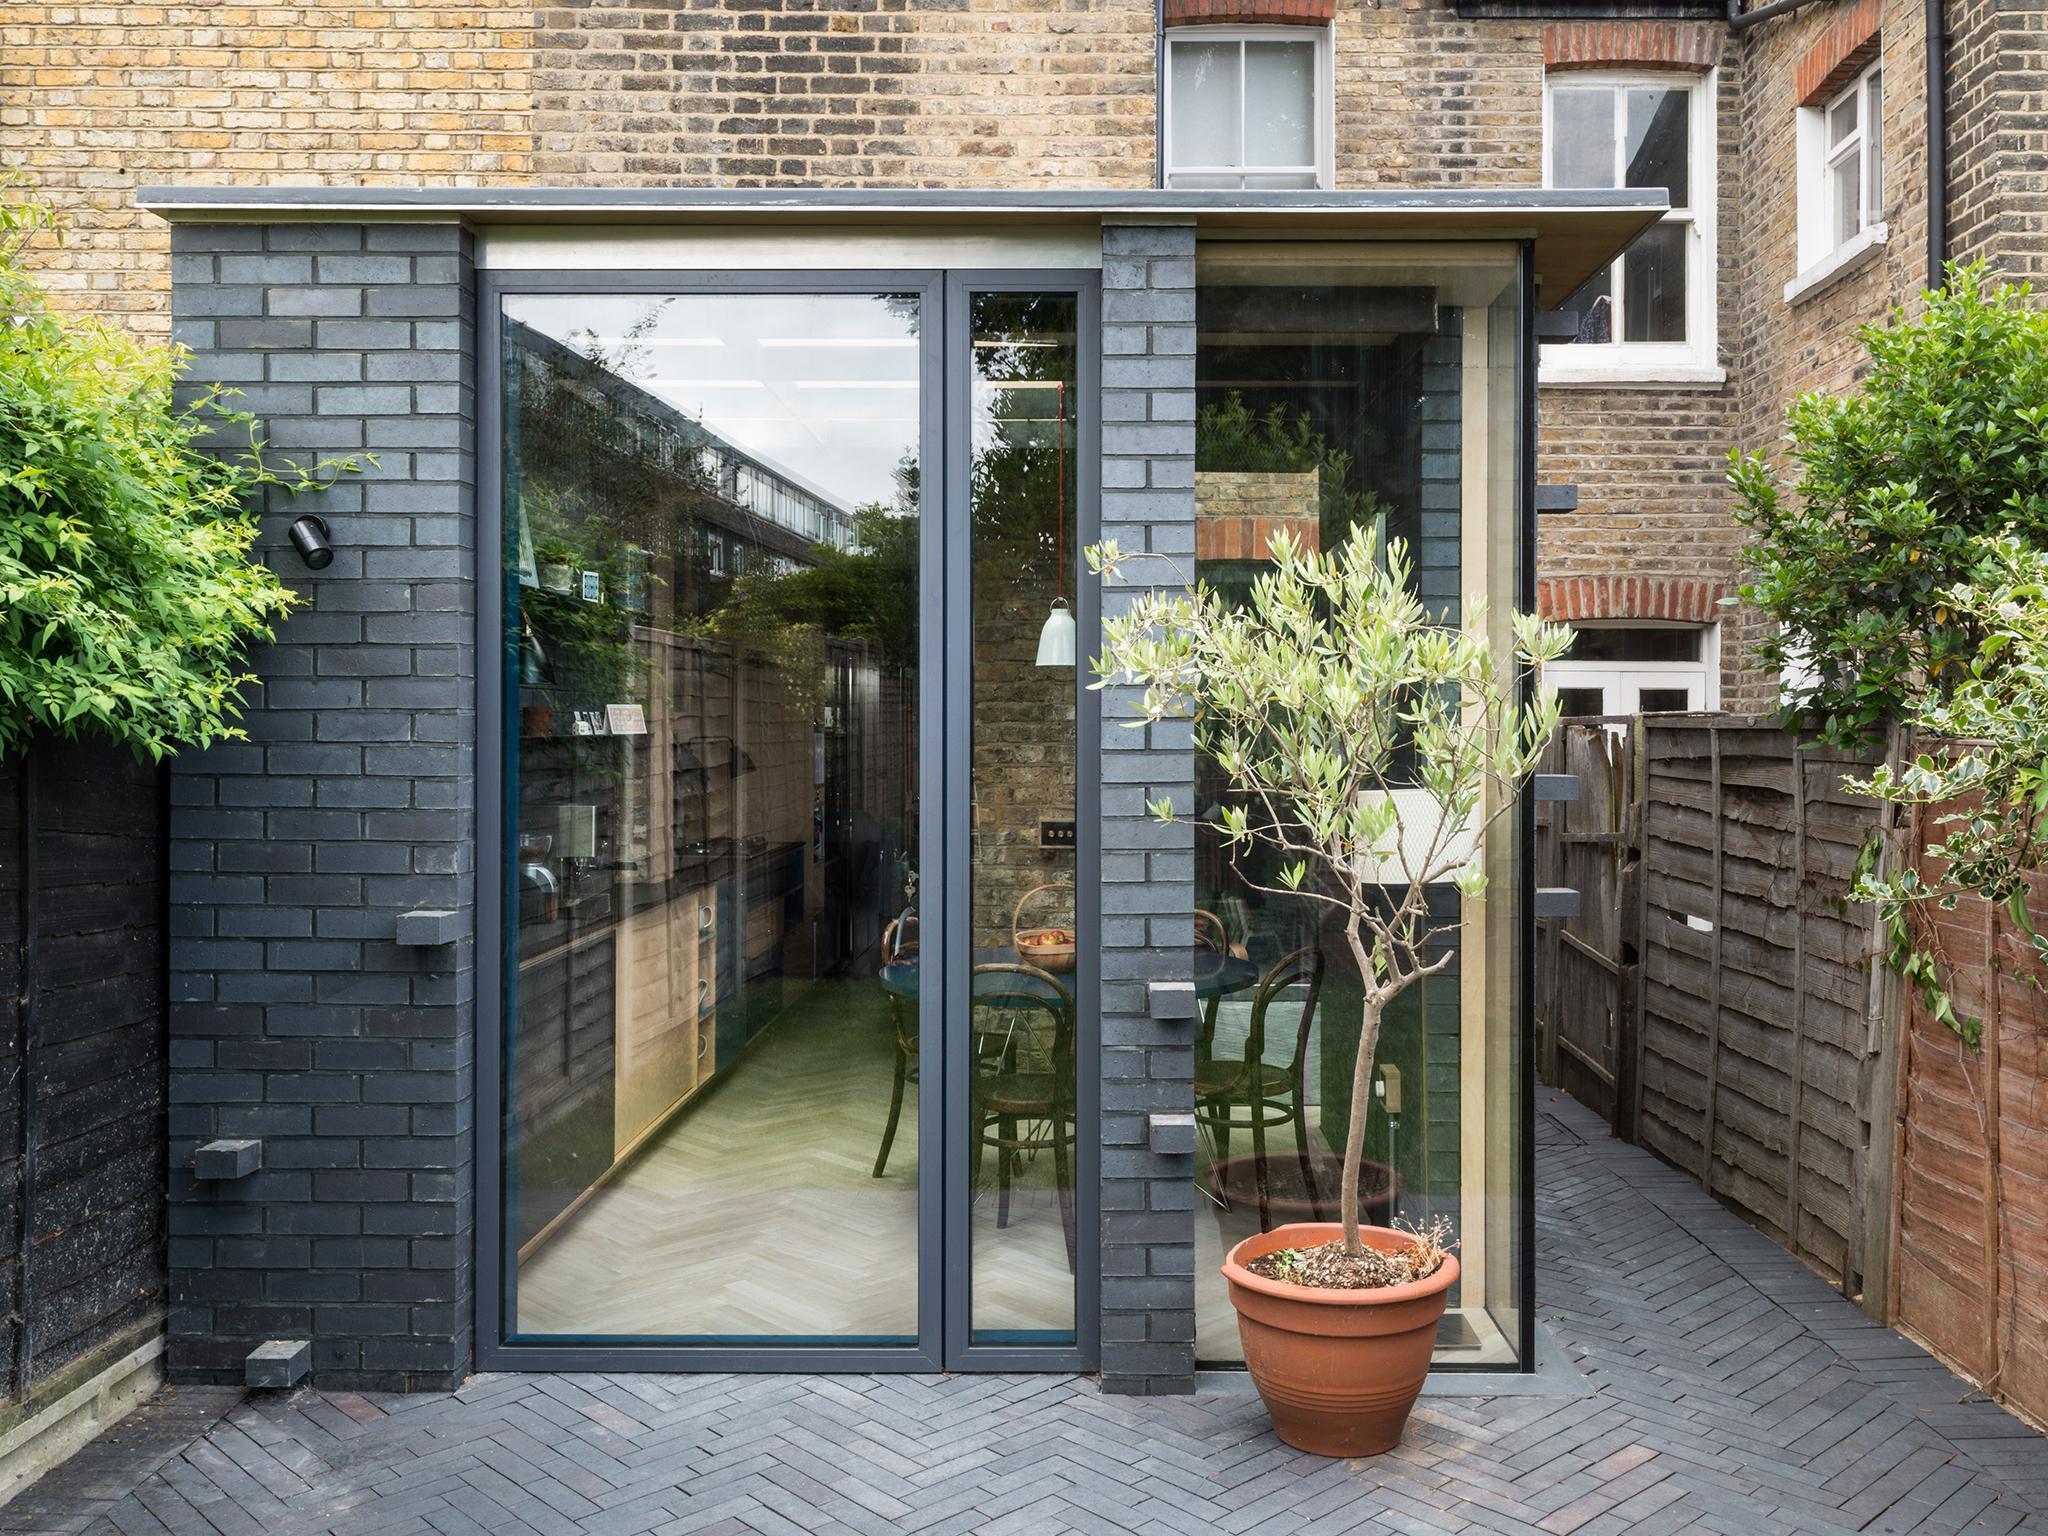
[{"x": 1304, "y": 967}]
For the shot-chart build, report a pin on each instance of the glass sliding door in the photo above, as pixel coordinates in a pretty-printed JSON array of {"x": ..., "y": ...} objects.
[
  {"x": 713, "y": 624},
  {"x": 1016, "y": 1020}
]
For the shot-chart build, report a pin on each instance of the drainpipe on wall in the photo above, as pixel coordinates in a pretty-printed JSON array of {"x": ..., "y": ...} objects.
[
  {"x": 1937, "y": 143},
  {"x": 1937, "y": 118}
]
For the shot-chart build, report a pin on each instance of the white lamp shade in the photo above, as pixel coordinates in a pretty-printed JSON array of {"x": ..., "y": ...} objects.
[{"x": 1056, "y": 640}]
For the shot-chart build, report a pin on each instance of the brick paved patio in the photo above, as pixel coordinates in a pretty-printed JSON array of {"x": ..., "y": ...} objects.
[{"x": 1726, "y": 1389}]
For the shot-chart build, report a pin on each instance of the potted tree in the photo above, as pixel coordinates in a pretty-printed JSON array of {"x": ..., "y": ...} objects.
[{"x": 1374, "y": 748}]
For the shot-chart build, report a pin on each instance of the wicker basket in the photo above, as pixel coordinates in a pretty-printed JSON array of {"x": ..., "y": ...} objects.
[{"x": 1050, "y": 949}]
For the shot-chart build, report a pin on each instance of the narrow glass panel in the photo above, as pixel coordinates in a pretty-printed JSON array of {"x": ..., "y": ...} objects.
[
  {"x": 1846, "y": 179},
  {"x": 1582, "y": 138},
  {"x": 1659, "y": 144},
  {"x": 1842, "y": 119},
  {"x": 1653, "y": 285},
  {"x": 1582, "y": 701},
  {"x": 711, "y": 640},
  {"x": 1206, "y": 86},
  {"x": 1343, "y": 388},
  {"x": 1663, "y": 700},
  {"x": 1280, "y": 104},
  {"x": 1020, "y": 1128},
  {"x": 1874, "y": 141}
]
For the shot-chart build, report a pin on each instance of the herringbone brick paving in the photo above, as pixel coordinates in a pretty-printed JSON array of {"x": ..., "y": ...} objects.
[{"x": 1727, "y": 1390}]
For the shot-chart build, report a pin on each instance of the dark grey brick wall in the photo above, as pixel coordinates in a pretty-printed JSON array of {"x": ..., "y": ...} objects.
[
  {"x": 1148, "y": 503},
  {"x": 296, "y": 1018}
]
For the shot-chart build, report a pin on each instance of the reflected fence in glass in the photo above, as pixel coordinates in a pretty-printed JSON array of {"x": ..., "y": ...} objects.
[{"x": 712, "y": 615}]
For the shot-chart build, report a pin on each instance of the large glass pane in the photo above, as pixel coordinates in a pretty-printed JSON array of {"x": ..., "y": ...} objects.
[
  {"x": 1658, "y": 152},
  {"x": 1342, "y": 387},
  {"x": 1280, "y": 104},
  {"x": 1020, "y": 1125},
  {"x": 1845, "y": 176},
  {"x": 1582, "y": 137},
  {"x": 1653, "y": 284},
  {"x": 711, "y": 638},
  {"x": 1206, "y": 86}
]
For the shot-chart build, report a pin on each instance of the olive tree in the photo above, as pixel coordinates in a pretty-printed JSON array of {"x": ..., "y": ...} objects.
[{"x": 1371, "y": 746}]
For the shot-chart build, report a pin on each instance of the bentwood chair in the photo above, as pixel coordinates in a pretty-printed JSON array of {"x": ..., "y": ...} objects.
[
  {"x": 1023, "y": 1084},
  {"x": 899, "y": 946},
  {"x": 1272, "y": 1095}
]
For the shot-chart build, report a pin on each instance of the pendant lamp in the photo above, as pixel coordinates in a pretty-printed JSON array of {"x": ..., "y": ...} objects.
[{"x": 1056, "y": 639}]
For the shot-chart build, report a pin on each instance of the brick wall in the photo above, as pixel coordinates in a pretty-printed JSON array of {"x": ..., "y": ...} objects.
[
  {"x": 295, "y": 1017},
  {"x": 1148, "y": 869},
  {"x": 1998, "y": 141}
]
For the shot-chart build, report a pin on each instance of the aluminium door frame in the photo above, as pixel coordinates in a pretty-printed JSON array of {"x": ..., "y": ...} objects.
[{"x": 944, "y": 561}]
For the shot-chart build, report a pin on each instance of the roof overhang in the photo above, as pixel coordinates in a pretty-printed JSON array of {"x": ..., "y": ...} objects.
[{"x": 1573, "y": 233}]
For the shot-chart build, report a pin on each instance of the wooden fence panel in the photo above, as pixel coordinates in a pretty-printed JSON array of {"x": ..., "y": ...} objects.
[
  {"x": 1970, "y": 1261},
  {"x": 1753, "y": 987},
  {"x": 83, "y": 902},
  {"x": 1584, "y": 990}
]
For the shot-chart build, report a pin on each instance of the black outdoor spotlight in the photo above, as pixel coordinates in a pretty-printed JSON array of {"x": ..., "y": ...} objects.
[{"x": 310, "y": 537}]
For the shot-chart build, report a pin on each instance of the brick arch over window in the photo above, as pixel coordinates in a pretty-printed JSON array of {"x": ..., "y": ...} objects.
[
  {"x": 1675, "y": 599},
  {"x": 1294, "y": 13},
  {"x": 1631, "y": 45}
]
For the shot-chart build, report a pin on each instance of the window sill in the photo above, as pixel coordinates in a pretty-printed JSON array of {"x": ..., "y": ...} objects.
[
  {"x": 1846, "y": 260},
  {"x": 1622, "y": 373}
]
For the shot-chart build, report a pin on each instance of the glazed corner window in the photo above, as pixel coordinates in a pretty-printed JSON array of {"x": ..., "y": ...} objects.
[
  {"x": 1248, "y": 107},
  {"x": 1841, "y": 176},
  {"x": 1652, "y": 309}
]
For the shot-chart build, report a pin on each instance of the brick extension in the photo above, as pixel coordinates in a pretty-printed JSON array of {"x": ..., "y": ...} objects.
[
  {"x": 296, "y": 1017},
  {"x": 1726, "y": 1389}
]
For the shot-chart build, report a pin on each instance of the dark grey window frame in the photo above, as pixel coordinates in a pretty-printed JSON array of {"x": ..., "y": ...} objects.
[{"x": 944, "y": 760}]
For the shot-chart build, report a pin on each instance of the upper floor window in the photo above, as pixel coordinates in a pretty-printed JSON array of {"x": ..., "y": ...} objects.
[
  {"x": 1649, "y": 314},
  {"x": 1248, "y": 107},
  {"x": 1841, "y": 181}
]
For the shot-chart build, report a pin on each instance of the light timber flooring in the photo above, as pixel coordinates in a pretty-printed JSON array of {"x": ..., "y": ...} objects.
[{"x": 755, "y": 1212}]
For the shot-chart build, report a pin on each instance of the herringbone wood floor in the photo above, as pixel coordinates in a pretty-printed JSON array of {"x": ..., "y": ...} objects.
[{"x": 1726, "y": 1390}]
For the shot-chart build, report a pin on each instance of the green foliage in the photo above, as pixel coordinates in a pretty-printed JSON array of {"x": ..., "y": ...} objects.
[
  {"x": 1368, "y": 746},
  {"x": 127, "y": 596},
  {"x": 1944, "y": 443},
  {"x": 1991, "y": 782},
  {"x": 1230, "y": 435}
]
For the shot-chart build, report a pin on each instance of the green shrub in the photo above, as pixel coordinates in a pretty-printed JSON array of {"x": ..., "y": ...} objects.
[
  {"x": 1943, "y": 444},
  {"x": 127, "y": 596}
]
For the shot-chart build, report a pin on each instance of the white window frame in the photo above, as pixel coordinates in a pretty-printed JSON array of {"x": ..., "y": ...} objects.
[
  {"x": 1823, "y": 259},
  {"x": 1624, "y": 681},
  {"x": 1324, "y": 168},
  {"x": 1697, "y": 359}
]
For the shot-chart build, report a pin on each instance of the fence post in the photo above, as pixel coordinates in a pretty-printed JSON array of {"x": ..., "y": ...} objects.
[
  {"x": 1639, "y": 768},
  {"x": 1796, "y": 1221},
  {"x": 1994, "y": 1233},
  {"x": 1714, "y": 963}
]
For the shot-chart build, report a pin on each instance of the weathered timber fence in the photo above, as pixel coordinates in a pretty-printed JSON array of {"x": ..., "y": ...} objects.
[
  {"x": 1719, "y": 1000},
  {"x": 1970, "y": 1262},
  {"x": 1585, "y": 975},
  {"x": 82, "y": 1070}
]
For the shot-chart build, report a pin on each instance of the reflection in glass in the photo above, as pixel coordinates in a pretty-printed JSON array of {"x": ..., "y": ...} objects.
[
  {"x": 1653, "y": 284},
  {"x": 1020, "y": 1124},
  {"x": 711, "y": 634},
  {"x": 1340, "y": 387},
  {"x": 1658, "y": 150}
]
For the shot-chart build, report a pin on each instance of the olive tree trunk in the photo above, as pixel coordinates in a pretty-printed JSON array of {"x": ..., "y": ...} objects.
[{"x": 1361, "y": 1105}]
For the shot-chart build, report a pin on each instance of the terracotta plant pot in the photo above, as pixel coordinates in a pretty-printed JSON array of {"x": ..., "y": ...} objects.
[{"x": 1338, "y": 1370}]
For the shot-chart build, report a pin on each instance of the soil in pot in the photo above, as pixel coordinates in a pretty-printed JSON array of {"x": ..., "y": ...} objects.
[
  {"x": 1339, "y": 1369},
  {"x": 1327, "y": 1267}
]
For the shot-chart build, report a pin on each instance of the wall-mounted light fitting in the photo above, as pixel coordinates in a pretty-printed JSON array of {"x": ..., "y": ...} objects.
[{"x": 310, "y": 537}]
